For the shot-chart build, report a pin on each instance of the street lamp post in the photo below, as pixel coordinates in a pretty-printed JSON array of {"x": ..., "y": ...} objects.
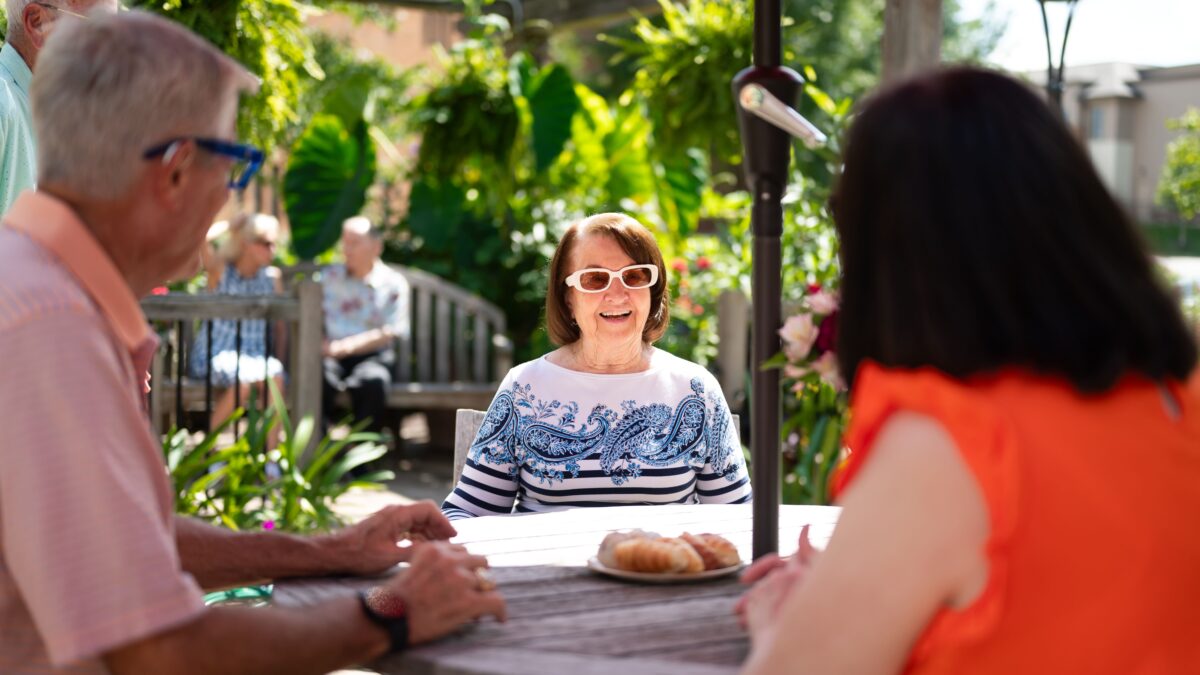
[{"x": 1055, "y": 76}]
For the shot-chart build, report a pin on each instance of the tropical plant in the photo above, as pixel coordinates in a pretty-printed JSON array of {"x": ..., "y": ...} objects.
[
  {"x": 268, "y": 37},
  {"x": 244, "y": 486},
  {"x": 1179, "y": 187}
]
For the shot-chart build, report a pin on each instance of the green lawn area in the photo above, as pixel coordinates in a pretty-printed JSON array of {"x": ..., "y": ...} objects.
[{"x": 1165, "y": 239}]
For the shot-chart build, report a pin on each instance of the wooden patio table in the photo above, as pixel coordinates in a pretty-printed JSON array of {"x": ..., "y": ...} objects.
[{"x": 564, "y": 618}]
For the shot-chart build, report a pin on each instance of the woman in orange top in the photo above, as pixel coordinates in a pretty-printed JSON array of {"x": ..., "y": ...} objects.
[{"x": 1023, "y": 493}]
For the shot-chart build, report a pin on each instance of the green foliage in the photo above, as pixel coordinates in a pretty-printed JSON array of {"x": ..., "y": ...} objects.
[
  {"x": 3, "y": 24},
  {"x": 246, "y": 487},
  {"x": 1179, "y": 186},
  {"x": 684, "y": 71},
  {"x": 552, "y": 104},
  {"x": 498, "y": 173},
  {"x": 468, "y": 119},
  {"x": 1179, "y": 238},
  {"x": 812, "y": 434},
  {"x": 327, "y": 177},
  {"x": 269, "y": 39}
]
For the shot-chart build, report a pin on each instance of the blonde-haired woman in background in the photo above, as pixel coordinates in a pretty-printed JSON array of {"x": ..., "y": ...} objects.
[{"x": 240, "y": 266}]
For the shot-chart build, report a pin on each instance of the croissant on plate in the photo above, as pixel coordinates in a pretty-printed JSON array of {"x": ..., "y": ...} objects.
[
  {"x": 606, "y": 555},
  {"x": 661, "y": 555},
  {"x": 716, "y": 551}
]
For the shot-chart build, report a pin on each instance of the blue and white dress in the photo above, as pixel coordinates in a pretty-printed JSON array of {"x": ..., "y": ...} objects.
[
  {"x": 253, "y": 365},
  {"x": 555, "y": 438}
]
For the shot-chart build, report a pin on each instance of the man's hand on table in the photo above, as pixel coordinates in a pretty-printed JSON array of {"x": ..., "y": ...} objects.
[
  {"x": 372, "y": 546},
  {"x": 773, "y": 579},
  {"x": 444, "y": 588}
]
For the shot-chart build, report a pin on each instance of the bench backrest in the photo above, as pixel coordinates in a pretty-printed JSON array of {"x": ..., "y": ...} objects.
[{"x": 456, "y": 336}]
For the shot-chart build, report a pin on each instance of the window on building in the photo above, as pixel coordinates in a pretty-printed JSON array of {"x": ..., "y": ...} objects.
[{"x": 1096, "y": 123}]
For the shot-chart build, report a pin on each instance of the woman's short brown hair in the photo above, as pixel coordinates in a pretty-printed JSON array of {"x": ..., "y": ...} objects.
[{"x": 638, "y": 243}]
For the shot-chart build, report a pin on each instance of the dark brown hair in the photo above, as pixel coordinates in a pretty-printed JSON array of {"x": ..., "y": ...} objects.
[
  {"x": 637, "y": 242},
  {"x": 975, "y": 234}
]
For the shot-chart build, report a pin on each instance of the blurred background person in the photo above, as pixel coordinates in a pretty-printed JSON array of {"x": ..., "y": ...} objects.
[
  {"x": 241, "y": 266},
  {"x": 366, "y": 308},
  {"x": 29, "y": 24}
]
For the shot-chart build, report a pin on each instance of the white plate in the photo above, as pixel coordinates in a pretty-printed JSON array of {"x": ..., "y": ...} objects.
[{"x": 595, "y": 565}]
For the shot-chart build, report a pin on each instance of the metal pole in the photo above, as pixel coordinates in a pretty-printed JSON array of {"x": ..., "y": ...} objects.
[
  {"x": 768, "y": 33},
  {"x": 1056, "y": 77},
  {"x": 767, "y": 152}
]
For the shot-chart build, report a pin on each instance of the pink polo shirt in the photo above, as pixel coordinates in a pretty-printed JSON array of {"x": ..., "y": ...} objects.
[{"x": 87, "y": 548}]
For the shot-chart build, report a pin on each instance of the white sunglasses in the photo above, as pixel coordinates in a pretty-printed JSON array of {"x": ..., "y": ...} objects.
[{"x": 598, "y": 279}]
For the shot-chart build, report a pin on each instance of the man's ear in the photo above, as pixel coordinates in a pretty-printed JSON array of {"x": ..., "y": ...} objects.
[
  {"x": 36, "y": 21},
  {"x": 171, "y": 172}
]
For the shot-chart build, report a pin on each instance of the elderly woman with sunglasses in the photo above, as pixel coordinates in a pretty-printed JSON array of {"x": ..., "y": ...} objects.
[
  {"x": 606, "y": 419},
  {"x": 240, "y": 266}
]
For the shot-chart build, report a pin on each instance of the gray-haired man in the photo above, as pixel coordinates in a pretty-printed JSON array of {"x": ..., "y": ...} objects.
[{"x": 136, "y": 118}]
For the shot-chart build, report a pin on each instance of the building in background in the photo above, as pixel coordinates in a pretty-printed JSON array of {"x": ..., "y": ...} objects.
[{"x": 1119, "y": 111}]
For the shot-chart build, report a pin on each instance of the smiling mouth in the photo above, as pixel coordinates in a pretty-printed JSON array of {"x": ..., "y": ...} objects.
[{"x": 616, "y": 315}]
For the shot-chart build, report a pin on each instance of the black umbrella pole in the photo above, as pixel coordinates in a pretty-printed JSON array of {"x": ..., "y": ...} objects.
[
  {"x": 765, "y": 411},
  {"x": 768, "y": 33},
  {"x": 767, "y": 152}
]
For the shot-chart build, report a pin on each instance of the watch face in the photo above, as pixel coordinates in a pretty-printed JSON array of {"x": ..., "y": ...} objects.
[{"x": 385, "y": 604}]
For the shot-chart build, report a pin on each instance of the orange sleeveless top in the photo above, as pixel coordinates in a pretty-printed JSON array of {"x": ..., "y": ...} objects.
[{"x": 1094, "y": 506}]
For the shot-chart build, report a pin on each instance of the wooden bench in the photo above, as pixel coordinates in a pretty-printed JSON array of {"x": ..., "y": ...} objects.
[{"x": 454, "y": 357}]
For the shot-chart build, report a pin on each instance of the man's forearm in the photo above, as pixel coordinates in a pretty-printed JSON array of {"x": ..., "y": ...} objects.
[
  {"x": 220, "y": 558},
  {"x": 318, "y": 639},
  {"x": 363, "y": 343}
]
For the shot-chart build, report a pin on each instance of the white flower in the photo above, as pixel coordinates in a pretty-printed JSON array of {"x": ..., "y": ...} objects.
[
  {"x": 827, "y": 368},
  {"x": 822, "y": 302},
  {"x": 798, "y": 335}
]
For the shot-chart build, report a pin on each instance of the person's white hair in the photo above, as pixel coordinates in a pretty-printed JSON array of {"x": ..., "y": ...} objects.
[
  {"x": 110, "y": 88},
  {"x": 243, "y": 229},
  {"x": 14, "y": 9},
  {"x": 360, "y": 225}
]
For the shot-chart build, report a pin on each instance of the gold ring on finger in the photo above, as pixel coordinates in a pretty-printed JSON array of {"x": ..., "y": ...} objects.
[{"x": 484, "y": 581}]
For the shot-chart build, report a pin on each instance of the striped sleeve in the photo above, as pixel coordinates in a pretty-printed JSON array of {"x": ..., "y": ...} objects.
[{"x": 483, "y": 490}]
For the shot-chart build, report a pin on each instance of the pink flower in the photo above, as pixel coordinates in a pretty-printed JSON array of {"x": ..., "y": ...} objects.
[
  {"x": 794, "y": 372},
  {"x": 827, "y": 368},
  {"x": 798, "y": 335},
  {"x": 703, "y": 263},
  {"x": 679, "y": 265},
  {"x": 697, "y": 310},
  {"x": 269, "y": 525},
  {"x": 814, "y": 288},
  {"x": 160, "y": 290},
  {"x": 822, "y": 302}
]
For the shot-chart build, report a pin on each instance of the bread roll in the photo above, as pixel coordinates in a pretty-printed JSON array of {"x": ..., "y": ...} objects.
[
  {"x": 662, "y": 555},
  {"x": 605, "y": 555},
  {"x": 716, "y": 551}
]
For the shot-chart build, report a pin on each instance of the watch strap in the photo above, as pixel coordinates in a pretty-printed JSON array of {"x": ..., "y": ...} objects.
[{"x": 388, "y": 612}]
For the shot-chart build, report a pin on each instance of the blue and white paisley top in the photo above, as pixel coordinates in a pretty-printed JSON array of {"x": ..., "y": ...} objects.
[{"x": 556, "y": 438}]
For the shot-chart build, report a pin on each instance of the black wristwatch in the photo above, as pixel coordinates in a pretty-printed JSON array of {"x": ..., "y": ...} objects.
[{"x": 387, "y": 611}]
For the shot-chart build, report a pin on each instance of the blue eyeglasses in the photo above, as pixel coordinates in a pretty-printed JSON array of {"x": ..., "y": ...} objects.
[{"x": 247, "y": 158}]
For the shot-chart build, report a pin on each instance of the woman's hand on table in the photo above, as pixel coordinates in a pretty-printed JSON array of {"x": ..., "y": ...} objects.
[
  {"x": 773, "y": 578},
  {"x": 444, "y": 588}
]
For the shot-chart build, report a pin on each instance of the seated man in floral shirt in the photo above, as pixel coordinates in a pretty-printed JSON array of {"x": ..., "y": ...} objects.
[{"x": 366, "y": 308}]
